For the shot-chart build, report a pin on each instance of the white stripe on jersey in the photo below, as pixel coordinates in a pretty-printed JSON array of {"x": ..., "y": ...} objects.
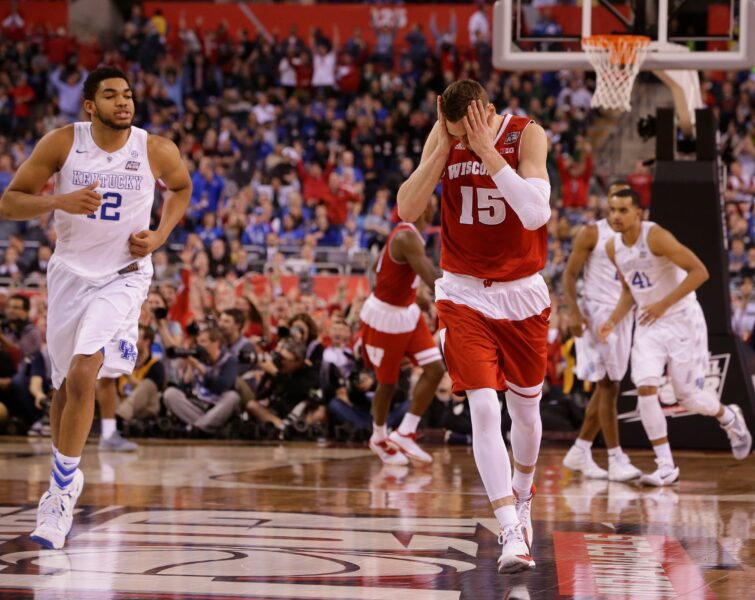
[
  {"x": 96, "y": 246},
  {"x": 649, "y": 277}
]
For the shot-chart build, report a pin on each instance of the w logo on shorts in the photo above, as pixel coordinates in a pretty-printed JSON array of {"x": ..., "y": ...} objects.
[{"x": 128, "y": 352}]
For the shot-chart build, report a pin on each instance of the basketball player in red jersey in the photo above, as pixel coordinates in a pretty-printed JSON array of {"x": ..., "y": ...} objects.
[
  {"x": 492, "y": 303},
  {"x": 393, "y": 327}
]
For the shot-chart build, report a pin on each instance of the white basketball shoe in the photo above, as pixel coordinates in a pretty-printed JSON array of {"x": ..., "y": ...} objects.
[
  {"x": 516, "y": 555},
  {"x": 55, "y": 514},
  {"x": 581, "y": 461}
]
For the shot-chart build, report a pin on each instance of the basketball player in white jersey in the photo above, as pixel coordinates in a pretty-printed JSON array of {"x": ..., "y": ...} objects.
[
  {"x": 100, "y": 272},
  {"x": 661, "y": 275},
  {"x": 602, "y": 364}
]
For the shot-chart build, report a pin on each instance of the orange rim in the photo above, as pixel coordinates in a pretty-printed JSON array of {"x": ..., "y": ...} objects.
[{"x": 622, "y": 49}]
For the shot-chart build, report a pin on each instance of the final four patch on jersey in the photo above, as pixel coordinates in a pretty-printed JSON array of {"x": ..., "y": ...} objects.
[
  {"x": 511, "y": 137},
  {"x": 132, "y": 165}
]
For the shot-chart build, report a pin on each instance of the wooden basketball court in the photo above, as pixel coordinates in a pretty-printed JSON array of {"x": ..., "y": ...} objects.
[{"x": 303, "y": 520}]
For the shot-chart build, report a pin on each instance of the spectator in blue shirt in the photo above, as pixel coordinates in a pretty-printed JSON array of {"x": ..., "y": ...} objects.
[
  {"x": 208, "y": 190},
  {"x": 325, "y": 233},
  {"x": 258, "y": 229},
  {"x": 209, "y": 229}
]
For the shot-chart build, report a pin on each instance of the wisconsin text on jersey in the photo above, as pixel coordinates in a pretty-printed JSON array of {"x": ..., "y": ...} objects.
[
  {"x": 108, "y": 180},
  {"x": 465, "y": 168}
]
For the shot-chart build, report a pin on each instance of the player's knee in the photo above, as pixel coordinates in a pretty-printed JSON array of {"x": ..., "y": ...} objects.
[
  {"x": 699, "y": 401},
  {"x": 486, "y": 410},
  {"x": 610, "y": 390},
  {"x": 82, "y": 376},
  {"x": 647, "y": 390},
  {"x": 434, "y": 371}
]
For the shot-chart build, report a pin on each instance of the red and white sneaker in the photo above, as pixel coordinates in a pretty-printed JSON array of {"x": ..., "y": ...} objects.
[
  {"x": 409, "y": 446},
  {"x": 515, "y": 552},
  {"x": 387, "y": 453}
]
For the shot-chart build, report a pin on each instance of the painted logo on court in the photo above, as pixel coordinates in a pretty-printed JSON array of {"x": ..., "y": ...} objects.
[{"x": 260, "y": 554}]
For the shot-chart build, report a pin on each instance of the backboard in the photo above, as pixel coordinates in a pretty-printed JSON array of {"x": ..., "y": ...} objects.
[{"x": 685, "y": 34}]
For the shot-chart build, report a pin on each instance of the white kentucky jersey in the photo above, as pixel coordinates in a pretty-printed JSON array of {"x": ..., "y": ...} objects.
[
  {"x": 650, "y": 278},
  {"x": 601, "y": 280},
  {"x": 96, "y": 246}
]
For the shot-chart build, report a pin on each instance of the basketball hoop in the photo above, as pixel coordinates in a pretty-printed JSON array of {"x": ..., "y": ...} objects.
[{"x": 617, "y": 60}]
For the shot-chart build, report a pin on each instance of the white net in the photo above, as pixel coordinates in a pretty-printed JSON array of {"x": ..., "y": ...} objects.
[{"x": 617, "y": 60}]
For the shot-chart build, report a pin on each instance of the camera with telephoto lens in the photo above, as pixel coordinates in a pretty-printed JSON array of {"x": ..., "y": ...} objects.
[
  {"x": 196, "y": 351},
  {"x": 248, "y": 356}
]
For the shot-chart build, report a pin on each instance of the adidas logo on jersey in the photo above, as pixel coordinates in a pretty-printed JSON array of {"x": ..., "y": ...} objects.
[{"x": 459, "y": 146}]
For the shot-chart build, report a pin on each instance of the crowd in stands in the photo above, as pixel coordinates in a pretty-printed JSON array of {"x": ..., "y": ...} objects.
[{"x": 297, "y": 145}]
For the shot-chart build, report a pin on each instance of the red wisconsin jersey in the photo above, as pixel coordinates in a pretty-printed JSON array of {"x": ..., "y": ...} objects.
[
  {"x": 481, "y": 235},
  {"x": 397, "y": 282}
]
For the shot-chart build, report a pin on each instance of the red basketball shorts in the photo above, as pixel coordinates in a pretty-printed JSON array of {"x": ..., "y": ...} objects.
[
  {"x": 391, "y": 333},
  {"x": 493, "y": 333}
]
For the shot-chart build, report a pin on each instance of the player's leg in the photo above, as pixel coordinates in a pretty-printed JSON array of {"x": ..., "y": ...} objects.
[
  {"x": 688, "y": 367},
  {"x": 590, "y": 367},
  {"x": 55, "y": 510},
  {"x": 649, "y": 357},
  {"x": 472, "y": 358},
  {"x": 67, "y": 303},
  {"x": 620, "y": 468},
  {"x": 107, "y": 399},
  {"x": 383, "y": 352},
  {"x": 425, "y": 353},
  {"x": 579, "y": 457}
]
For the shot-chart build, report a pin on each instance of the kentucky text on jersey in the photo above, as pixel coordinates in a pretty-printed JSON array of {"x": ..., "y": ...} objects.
[
  {"x": 466, "y": 168},
  {"x": 108, "y": 180}
]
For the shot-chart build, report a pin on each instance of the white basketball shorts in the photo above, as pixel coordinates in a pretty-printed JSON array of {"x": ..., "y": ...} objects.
[
  {"x": 680, "y": 341},
  {"x": 595, "y": 360},
  {"x": 86, "y": 316}
]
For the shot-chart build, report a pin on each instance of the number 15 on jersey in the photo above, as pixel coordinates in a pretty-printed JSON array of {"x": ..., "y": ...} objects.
[{"x": 491, "y": 209}]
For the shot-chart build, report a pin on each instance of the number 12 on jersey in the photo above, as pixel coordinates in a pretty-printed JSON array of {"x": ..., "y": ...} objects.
[
  {"x": 115, "y": 204},
  {"x": 491, "y": 209}
]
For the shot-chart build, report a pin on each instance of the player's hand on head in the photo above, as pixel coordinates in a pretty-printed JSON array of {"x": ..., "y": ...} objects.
[
  {"x": 84, "y": 201},
  {"x": 478, "y": 126},
  {"x": 144, "y": 243},
  {"x": 444, "y": 138}
]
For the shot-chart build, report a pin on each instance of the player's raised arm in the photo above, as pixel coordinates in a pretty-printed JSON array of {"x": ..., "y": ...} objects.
[
  {"x": 22, "y": 201},
  {"x": 408, "y": 247},
  {"x": 663, "y": 243},
  {"x": 166, "y": 163},
  {"x": 415, "y": 192},
  {"x": 527, "y": 190},
  {"x": 584, "y": 243},
  {"x": 623, "y": 306}
]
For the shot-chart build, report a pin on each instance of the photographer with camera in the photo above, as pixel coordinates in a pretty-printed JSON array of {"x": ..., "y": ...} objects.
[
  {"x": 288, "y": 393},
  {"x": 209, "y": 376},
  {"x": 231, "y": 325},
  {"x": 140, "y": 391}
]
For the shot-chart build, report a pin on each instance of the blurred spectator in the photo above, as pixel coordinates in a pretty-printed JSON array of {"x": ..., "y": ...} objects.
[
  {"x": 575, "y": 177},
  {"x": 478, "y": 26},
  {"x": 743, "y": 315},
  {"x": 209, "y": 378},
  {"x": 69, "y": 85}
]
